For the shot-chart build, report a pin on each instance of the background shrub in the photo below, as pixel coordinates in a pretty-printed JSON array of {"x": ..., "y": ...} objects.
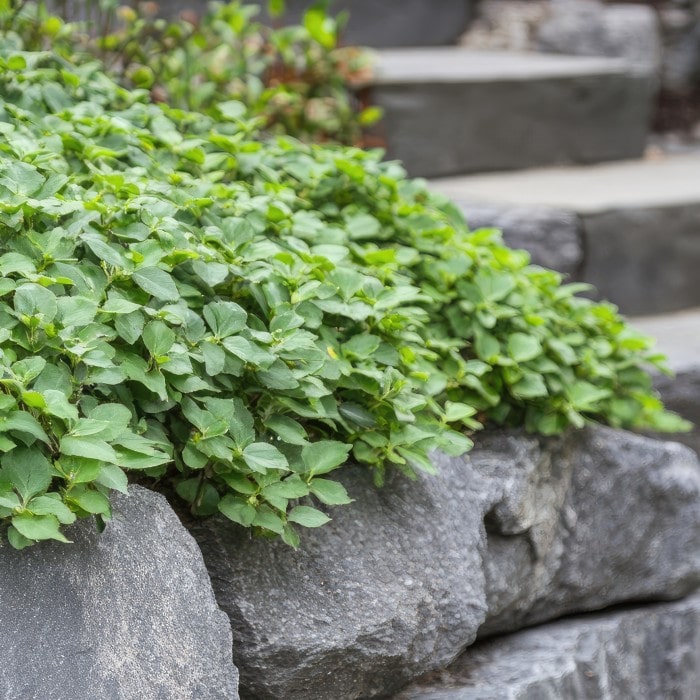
[{"x": 295, "y": 79}]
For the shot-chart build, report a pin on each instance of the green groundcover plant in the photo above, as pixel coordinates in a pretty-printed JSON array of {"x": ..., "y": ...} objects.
[
  {"x": 235, "y": 318},
  {"x": 293, "y": 79}
]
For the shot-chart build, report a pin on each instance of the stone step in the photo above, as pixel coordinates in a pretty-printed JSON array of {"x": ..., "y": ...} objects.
[
  {"x": 638, "y": 221},
  {"x": 451, "y": 110},
  {"x": 647, "y": 653},
  {"x": 678, "y": 337}
]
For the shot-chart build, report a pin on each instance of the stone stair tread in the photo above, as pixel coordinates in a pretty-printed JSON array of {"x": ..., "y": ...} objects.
[
  {"x": 666, "y": 181},
  {"x": 457, "y": 64}
]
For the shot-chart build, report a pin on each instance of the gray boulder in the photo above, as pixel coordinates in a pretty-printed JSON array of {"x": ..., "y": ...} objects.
[
  {"x": 402, "y": 580},
  {"x": 603, "y": 517},
  {"x": 645, "y": 653},
  {"x": 126, "y": 614},
  {"x": 392, "y": 587},
  {"x": 553, "y": 237}
]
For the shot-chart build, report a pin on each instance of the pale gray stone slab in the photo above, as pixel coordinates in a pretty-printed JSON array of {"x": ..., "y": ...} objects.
[{"x": 554, "y": 238}]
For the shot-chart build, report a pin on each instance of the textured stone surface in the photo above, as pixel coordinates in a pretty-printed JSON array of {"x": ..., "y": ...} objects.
[
  {"x": 645, "y": 653},
  {"x": 552, "y": 237},
  {"x": 640, "y": 223},
  {"x": 608, "y": 517},
  {"x": 450, "y": 111},
  {"x": 392, "y": 587},
  {"x": 123, "y": 615},
  {"x": 403, "y": 579}
]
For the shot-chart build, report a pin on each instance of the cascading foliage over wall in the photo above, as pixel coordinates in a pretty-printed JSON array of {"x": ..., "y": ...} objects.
[{"x": 233, "y": 318}]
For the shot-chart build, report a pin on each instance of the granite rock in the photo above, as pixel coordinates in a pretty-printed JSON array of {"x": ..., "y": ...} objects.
[
  {"x": 400, "y": 582},
  {"x": 125, "y": 614},
  {"x": 647, "y": 652},
  {"x": 603, "y": 518}
]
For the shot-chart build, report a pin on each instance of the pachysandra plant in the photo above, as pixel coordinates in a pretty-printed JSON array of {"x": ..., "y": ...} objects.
[{"x": 236, "y": 318}]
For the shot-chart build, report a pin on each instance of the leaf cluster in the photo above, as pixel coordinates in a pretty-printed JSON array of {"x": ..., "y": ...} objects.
[{"x": 234, "y": 318}]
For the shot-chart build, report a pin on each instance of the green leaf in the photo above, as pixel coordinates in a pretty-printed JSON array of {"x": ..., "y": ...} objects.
[
  {"x": 238, "y": 510},
  {"x": 28, "y": 470},
  {"x": 261, "y": 456},
  {"x": 225, "y": 318},
  {"x": 17, "y": 540},
  {"x": 88, "y": 447},
  {"x": 38, "y": 527},
  {"x": 308, "y": 517},
  {"x": 329, "y": 492},
  {"x": 292, "y": 487},
  {"x": 51, "y": 504},
  {"x": 35, "y": 300},
  {"x": 290, "y": 537},
  {"x": 24, "y": 424},
  {"x": 33, "y": 399},
  {"x": 523, "y": 347},
  {"x": 530, "y": 386},
  {"x": 90, "y": 501},
  {"x": 158, "y": 338},
  {"x": 129, "y": 326},
  {"x": 324, "y": 456},
  {"x": 269, "y": 520},
  {"x": 157, "y": 283},
  {"x": 214, "y": 359},
  {"x": 249, "y": 352},
  {"x": 58, "y": 405},
  {"x": 289, "y": 430},
  {"x": 585, "y": 396},
  {"x": 112, "y": 477}
]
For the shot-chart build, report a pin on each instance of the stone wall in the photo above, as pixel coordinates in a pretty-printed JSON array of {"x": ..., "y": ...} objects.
[{"x": 522, "y": 531}]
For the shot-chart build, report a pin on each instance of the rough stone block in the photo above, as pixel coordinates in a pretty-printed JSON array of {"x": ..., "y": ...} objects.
[
  {"x": 126, "y": 614},
  {"x": 645, "y": 260},
  {"x": 646, "y": 653},
  {"x": 403, "y": 579}
]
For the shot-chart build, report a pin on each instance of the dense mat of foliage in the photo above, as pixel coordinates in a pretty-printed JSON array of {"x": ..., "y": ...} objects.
[
  {"x": 293, "y": 79},
  {"x": 234, "y": 317}
]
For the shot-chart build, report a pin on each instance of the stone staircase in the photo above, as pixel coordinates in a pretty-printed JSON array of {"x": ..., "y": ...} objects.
[{"x": 553, "y": 150}]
